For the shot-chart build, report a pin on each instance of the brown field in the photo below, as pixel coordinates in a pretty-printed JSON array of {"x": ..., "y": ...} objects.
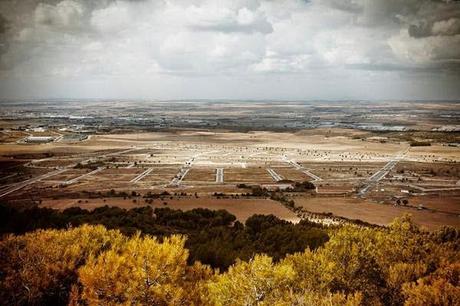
[
  {"x": 248, "y": 175},
  {"x": 55, "y": 162},
  {"x": 241, "y": 208},
  {"x": 161, "y": 175},
  {"x": 68, "y": 175},
  {"x": 442, "y": 204},
  {"x": 108, "y": 177},
  {"x": 292, "y": 174},
  {"x": 435, "y": 152},
  {"x": 354, "y": 208},
  {"x": 328, "y": 188},
  {"x": 120, "y": 171},
  {"x": 275, "y": 164},
  {"x": 343, "y": 162},
  {"x": 344, "y": 170},
  {"x": 201, "y": 174},
  {"x": 12, "y": 136},
  {"x": 441, "y": 171}
]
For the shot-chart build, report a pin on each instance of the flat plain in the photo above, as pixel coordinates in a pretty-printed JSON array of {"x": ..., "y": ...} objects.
[
  {"x": 362, "y": 174},
  {"x": 187, "y": 162}
]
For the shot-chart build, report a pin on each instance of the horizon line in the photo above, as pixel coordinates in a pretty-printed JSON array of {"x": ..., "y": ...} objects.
[{"x": 2, "y": 100}]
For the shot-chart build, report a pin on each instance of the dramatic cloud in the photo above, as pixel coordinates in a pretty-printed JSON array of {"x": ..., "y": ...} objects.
[
  {"x": 292, "y": 49},
  {"x": 66, "y": 14}
]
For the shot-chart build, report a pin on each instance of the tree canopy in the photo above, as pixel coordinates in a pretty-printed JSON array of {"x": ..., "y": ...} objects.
[{"x": 93, "y": 265}]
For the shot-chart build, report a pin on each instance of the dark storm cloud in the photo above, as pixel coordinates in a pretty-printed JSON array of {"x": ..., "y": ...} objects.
[
  {"x": 4, "y": 26},
  {"x": 448, "y": 26},
  {"x": 453, "y": 68},
  {"x": 418, "y": 31}
]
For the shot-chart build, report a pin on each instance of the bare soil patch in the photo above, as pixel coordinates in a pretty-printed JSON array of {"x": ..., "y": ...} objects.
[
  {"x": 241, "y": 208},
  {"x": 201, "y": 175},
  {"x": 354, "y": 208},
  {"x": 248, "y": 175}
]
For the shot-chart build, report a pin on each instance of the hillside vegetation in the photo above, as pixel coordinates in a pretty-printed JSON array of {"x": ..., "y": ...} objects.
[
  {"x": 93, "y": 265},
  {"x": 213, "y": 237}
]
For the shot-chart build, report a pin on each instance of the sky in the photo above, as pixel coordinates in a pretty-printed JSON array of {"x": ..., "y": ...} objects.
[{"x": 230, "y": 49}]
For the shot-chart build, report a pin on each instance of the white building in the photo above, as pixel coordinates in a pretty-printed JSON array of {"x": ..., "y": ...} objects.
[{"x": 39, "y": 139}]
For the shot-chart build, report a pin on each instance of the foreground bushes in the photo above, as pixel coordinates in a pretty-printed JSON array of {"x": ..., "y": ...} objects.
[
  {"x": 213, "y": 237},
  {"x": 91, "y": 265},
  {"x": 40, "y": 267},
  {"x": 143, "y": 271}
]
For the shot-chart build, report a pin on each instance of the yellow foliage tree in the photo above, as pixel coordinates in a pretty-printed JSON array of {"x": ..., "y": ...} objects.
[
  {"x": 143, "y": 272},
  {"x": 309, "y": 298},
  {"x": 442, "y": 288},
  {"x": 90, "y": 265},
  {"x": 351, "y": 264},
  {"x": 41, "y": 265},
  {"x": 250, "y": 283},
  {"x": 260, "y": 282},
  {"x": 313, "y": 271}
]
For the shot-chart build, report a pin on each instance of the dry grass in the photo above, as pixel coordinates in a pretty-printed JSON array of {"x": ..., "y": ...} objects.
[
  {"x": 354, "y": 208},
  {"x": 343, "y": 163},
  {"x": 241, "y": 208}
]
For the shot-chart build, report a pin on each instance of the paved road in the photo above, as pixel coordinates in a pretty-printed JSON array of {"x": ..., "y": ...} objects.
[
  {"x": 379, "y": 175},
  {"x": 74, "y": 180},
  {"x": 141, "y": 176},
  {"x": 20, "y": 185},
  {"x": 179, "y": 176},
  {"x": 219, "y": 175},
  {"x": 276, "y": 177},
  {"x": 8, "y": 176},
  {"x": 82, "y": 161},
  {"x": 299, "y": 167},
  {"x": 99, "y": 157},
  {"x": 423, "y": 189},
  {"x": 185, "y": 169},
  {"x": 182, "y": 172},
  {"x": 59, "y": 138},
  {"x": 117, "y": 153},
  {"x": 256, "y": 153}
]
